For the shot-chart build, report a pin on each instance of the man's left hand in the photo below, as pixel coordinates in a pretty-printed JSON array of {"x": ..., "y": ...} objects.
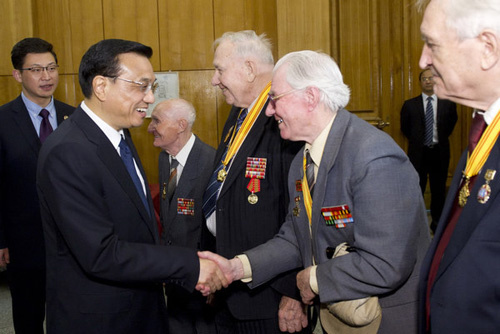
[
  {"x": 292, "y": 315},
  {"x": 304, "y": 286}
]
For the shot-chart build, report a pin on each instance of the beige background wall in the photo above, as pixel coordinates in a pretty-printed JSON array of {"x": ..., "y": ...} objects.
[{"x": 376, "y": 43}]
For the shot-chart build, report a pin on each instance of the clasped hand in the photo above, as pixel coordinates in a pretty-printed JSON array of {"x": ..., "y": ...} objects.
[{"x": 217, "y": 272}]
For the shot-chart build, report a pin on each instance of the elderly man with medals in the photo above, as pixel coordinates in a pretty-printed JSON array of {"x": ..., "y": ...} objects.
[{"x": 246, "y": 199}]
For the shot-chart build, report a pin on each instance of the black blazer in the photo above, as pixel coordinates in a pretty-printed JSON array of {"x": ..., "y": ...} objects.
[
  {"x": 104, "y": 262},
  {"x": 20, "y": 221},
  {"x": 241, "y": 225},
  {"x": 413, "y": 127}
]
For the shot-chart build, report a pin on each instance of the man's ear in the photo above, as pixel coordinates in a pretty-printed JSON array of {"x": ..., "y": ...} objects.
[
  {"x": 183, "y": 124},
  {"x": 17, "y": 75},
  {"x": 100, "y": 87},
  {"x": 250, "y": 70},
  {"x": 312, "y": 95},
  {"x": 490, "y": 54}
]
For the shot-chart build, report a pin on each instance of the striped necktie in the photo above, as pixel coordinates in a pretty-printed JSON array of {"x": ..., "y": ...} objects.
[{"x": 429, "y": 123}]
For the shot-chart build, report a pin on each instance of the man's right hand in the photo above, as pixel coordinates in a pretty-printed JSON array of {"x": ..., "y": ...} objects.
[{"x": 211, "y": 278}]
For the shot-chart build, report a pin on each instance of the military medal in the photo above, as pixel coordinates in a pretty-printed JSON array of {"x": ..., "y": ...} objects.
[
  {"x": 256, "y": 171},
  {"x": 254, "y": 187},
  {"x": 464, "y": 193},
  {"x": 296, "y": 209},
  {"x": 339, "y": 216},
  {"x": 483, "y": 195},
  {"x": 164, "y": 191},
  {"x": 185, "y": 206},
  {"x": 221, "y": 175},
  {"x": 298, "y": 186}
]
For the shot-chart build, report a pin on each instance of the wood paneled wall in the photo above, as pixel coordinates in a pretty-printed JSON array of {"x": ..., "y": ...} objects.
[{"x": 376, "y": 43}]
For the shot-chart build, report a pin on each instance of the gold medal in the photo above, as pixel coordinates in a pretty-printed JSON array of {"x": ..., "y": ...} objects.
[
  {"x": 221, "y": 175},
  {"x": 483, "y": 195},
  {"x": 464, "y": 193},
  {"x": 296, "y": 209},
  {"x": 253, "y": 199}
]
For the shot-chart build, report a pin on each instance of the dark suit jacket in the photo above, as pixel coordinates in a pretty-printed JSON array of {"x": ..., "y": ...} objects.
[
  {"x": 364, "y": 169},
  {"x": 464, "y": 296},
  {"x": 181, "y": 229},
  {"x": 104, "y": 264},
  {"x": 20, "y": 221},
  {"x": 413, "y": 127},
  {"x": 241, "y": 225}
]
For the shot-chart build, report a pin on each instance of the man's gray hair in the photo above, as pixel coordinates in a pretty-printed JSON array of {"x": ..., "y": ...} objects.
[
  {"x": 470, "y": 17},
  {"x": 180, "y": 108},
  {"x": 315, "y": 69},
  {"x": 248, "y": 43}
]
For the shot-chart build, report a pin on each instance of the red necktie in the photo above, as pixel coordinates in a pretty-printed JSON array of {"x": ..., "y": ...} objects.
[{"x": 477, "y": 127}]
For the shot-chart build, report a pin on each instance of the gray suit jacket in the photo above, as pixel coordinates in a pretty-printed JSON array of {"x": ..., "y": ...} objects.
[
  {"x": 365, "y": 170},
  {"x": 185, "y": 229}
]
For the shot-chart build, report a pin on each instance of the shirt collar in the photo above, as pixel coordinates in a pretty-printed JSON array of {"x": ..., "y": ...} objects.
[
  {"x": 35, "y": 109},
  {"x": 318, "y": 146},
  {"x": 183, "y": 154},
  {"x": 492, "y": 111},
  {"x": 114, "y": 136}
]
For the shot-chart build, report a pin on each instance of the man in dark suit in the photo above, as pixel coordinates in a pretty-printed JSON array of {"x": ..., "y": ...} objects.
[
  {"x": 183, "y": 178},
  {"x": 21, "y": 237},
  {"x": 105, "y": 266},
  {"x": 429, "y": 147},
  {"x": 245, "y": 201},
  {"x": 350, "y": 183},
  {"x": 459, "y": 282}
]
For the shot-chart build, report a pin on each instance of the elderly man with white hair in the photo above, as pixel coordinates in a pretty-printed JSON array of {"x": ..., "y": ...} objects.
[
  {"x": 460, "y": 275},
  {"x": 351, "y": 187}
]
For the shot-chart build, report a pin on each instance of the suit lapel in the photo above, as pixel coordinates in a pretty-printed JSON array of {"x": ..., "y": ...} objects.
[
  {"x": 330, "y": 154},
  {"x": 186, "y": 183},
  {"x": 472, "y": 213},
  {"x": 111, "y": 159},
  {"x": 23, "y": 120},
  {"x": 60, "y": 115}
]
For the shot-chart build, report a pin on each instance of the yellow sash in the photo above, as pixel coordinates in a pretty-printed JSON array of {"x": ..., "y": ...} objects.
[
  {"x": 235, "y": 144},
  {"x": 476, "y": 160},
  {"x": 307, "y": 194}
]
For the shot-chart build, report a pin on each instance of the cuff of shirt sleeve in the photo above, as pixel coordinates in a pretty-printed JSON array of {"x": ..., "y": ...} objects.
[
  {"x": 313, "y": 281},
  {"x": 247, "y": 268}
]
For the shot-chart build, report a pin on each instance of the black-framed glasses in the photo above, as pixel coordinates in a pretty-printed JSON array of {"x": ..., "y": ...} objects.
[
  {"x": 273, "y": 98},
  {"x": 145, "y": 87},
  {"x": 38, "y": 70}
]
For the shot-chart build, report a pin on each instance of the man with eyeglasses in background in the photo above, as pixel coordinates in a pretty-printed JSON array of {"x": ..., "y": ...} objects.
[
  {"x": 105, "y": 266},
  {"x": 428, "y": 122},
  {"x": 25, "y": 122}
]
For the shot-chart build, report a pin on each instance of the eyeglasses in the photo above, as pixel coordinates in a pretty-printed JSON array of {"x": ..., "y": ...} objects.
[
  {"x": 143, "y": 86},
  {"x": 38, "y": 70},
  {"x": 273, "y": 98},
  {"x": 424, "y": 79}
]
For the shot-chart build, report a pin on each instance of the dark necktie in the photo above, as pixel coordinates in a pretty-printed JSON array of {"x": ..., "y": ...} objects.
[
  {"x": 476, "y": 130},
  {"x": 210, "y": 195},
  {"x": 172, "y": 180},
  {"x": 477, "y": 127},
  {"x": 45, "y": 127},
  {"x": 310, "y": 172},
  {"x": 128, "y": 160},
  {"x": 429, "y": 123}
]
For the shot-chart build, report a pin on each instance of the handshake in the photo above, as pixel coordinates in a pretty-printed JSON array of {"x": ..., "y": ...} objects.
[{"x": 217, "y": 272}]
